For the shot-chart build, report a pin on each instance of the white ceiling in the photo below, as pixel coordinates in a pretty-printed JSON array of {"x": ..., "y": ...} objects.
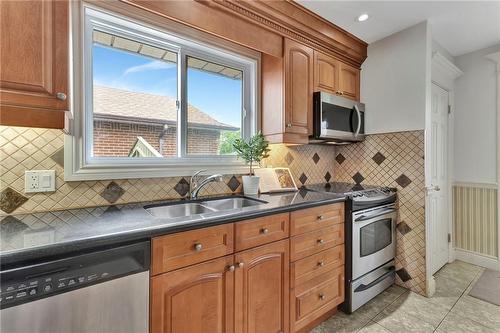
[{"x": 459, "y": 26}]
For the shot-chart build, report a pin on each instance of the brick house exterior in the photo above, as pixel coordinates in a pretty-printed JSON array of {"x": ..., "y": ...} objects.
[{"x": 121, "y": 116}]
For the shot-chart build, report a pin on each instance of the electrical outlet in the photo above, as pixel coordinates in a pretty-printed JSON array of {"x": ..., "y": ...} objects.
[{"x": 39, "y": 181}]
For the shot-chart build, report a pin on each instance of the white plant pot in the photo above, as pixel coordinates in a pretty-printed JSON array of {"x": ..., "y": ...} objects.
[{"x": 251, "y": 185}]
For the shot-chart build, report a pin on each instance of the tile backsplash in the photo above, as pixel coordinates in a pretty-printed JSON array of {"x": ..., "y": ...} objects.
[
  {"x": 397, "y": 160},
  {"x": 24, "y": 148}
]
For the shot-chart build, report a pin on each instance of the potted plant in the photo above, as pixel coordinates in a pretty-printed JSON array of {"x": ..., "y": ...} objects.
[{"x": 253, "y": 151}]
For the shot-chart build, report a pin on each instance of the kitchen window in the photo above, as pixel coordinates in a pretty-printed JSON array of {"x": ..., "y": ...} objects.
[{"x": 153, "y": 103}]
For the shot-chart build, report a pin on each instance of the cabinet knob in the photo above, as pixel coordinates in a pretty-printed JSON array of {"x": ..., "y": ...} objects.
[
  {"x": 231, "y": 268},
  {"x": 61, "y": 96},
  {"x": 240, "y": 264},
  {"x": 322, "y": 297},
  {"x": 289, "y": 125},
  {"x": 321, "y": 263},
  {"x": 198, "y": 247},
  {"x": 320, "y": 217},
  {"x": 264, "y": 231},
  {"x": 321, "y": 241}
]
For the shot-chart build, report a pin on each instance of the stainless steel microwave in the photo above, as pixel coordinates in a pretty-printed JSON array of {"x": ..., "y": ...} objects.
[{"x": 337, "y": 119}]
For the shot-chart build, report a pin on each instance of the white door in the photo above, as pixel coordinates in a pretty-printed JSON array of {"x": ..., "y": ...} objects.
[{"x": 437, "y": 179}]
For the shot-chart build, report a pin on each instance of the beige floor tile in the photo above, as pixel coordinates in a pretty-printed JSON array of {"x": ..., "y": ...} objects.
[
  {"x": 420, "y": 307},
  {"x": 458, "y": 324},
  {"x": 380, "y": 302},
  {"x": 401, "y": 321},
  {"x": 482, "y": 312},
  {"x": 447, "y": 292},
  {"x": 342, "y": 323},
  {"x": 373, "y": 327}
]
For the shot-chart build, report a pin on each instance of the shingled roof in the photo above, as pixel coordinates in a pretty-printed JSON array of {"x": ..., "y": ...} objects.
[{"x": 122, "y": 105}]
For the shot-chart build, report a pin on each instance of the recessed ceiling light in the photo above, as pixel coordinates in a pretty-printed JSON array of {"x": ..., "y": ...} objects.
[{"x": 363, "y": 17}]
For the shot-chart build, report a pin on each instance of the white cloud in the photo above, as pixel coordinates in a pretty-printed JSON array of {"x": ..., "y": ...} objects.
[{"x": 150, "y": 66}]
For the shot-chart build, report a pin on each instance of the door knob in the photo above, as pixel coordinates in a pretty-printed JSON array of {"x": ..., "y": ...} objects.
[
  {"x": 321, "y": 263},
  {"x": 289, "y": 125},
  {"x": 264, "y": 231},
  {"x": 437, "y": 188},
  {"x": 198, "y": 247},
  {"x": 321, "y": 241},
  {"x": 61, "y": 96},
  {"x": 231, "y": 268}
]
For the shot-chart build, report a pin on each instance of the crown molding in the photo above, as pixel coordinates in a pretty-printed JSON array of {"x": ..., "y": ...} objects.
[
  {"x": 442, "y": 64},
  {"x": 496, "y": 58}
]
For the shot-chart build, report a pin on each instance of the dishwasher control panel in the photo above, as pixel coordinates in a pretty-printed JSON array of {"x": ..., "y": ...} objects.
[{"x": 29, "y": 283}]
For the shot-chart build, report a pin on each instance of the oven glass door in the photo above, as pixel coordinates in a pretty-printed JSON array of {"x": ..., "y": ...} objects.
[{"x": 374, "y": 239}]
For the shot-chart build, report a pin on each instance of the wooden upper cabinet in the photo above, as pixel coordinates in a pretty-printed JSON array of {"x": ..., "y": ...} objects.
[
  {"x": 262, "y": 289},
  {"x": 349, "y": 78},
  {"x": 326, "y": 73},
  {"x": 194, "y": 299},
  {"x": 34, "y": 63},
  {"x": 298, "y": 87},
  {"x": 335, "y": 77}
]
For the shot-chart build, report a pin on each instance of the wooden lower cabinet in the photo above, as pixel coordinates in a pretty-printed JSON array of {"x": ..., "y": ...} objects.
[
  {"x": 194, "y": 299},
  {"x": 262, "y": 289}
]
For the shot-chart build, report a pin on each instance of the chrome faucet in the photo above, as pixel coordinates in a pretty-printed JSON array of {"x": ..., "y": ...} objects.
[{"x": 194, "y": 187}]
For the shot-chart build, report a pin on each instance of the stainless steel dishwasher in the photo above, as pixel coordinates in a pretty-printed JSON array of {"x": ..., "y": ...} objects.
[{"x": 98, "y": 292}]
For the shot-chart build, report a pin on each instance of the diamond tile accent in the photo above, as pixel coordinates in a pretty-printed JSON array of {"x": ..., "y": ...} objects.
[
  {"x": 303, "y": 178},
  {"x": 328, "y": 176},
  {"x": 403, "y": 181},
  {"x": 112, "y": 192},
  {"x": 182, "y": 187},
  {"x": 316, "y": 158},
  {"x": 378, "y": 158},
  {"x": 10, "y": 200},
  {"x": 58, "y": 157},
  {"x": 340, "y": 158},
  {"x": 288, "y": 158},
  {"x": 358, "y": 178},
  {"x": 233, "y": 183},
  {"x": 403, "y": 228},
  {"x": 403, "y": 154},
  {"x": 403, "y": 274}
]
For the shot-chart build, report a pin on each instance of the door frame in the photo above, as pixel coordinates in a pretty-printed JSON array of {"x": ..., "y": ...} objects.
[
  {"x": 495, "y": 57},
  {"x": 443, "y": 74}
]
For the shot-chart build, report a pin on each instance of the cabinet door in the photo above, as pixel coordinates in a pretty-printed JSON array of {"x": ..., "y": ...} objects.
[
  {"x": 194, "y": 299},
  {"x": 298, "y": 88},
  {"x": 34, "y": 62},
  {"x": 326, "y": 73},
  {"x": 349, "y": 81},
  {"x": 262, "y": 289}
]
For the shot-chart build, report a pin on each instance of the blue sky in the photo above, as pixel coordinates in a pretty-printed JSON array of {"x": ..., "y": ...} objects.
[{"x": 216, "y": 95}]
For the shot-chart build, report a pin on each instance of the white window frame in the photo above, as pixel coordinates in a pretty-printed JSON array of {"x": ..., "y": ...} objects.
[{"x": 80, "y": 165}]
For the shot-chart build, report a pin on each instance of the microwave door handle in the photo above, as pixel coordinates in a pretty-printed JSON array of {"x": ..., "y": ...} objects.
[{"x": 356, "y": 108}]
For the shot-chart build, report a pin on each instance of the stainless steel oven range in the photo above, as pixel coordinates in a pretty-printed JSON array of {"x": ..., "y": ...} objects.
[{"x": 370, "y": 240}]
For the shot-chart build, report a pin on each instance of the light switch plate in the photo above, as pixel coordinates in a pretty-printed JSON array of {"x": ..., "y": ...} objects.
[{"x": 39, "y": 181}]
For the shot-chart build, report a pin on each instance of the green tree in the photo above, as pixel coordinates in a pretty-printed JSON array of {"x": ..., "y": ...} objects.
[{"x": 227, "y": 139}]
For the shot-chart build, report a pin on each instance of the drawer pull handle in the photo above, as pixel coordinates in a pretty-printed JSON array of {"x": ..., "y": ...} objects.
[
  {"x": 198, "y": 247},
  {"x": 264, "y": 231},
  {"x": 321, "y": 263},
  {"x": 240, "y": 264},
  {"x": 231, "y": 268},
  {"x": 321, "y": 241},
  {"x": 320, "y": 217},
  {"x": 322, "y": 297},
  {"x": 61, "y": 96}
]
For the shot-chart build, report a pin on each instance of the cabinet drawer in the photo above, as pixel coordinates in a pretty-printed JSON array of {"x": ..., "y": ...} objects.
[
  {"x": 317, "y": 297},
  {"x": 315, "y": 218},
  {"x": 190, "y": 247},
  {"x": 310, "y": 267},
  {"x": 315, "y": 241},
  {"x": 260, "y": 231}
]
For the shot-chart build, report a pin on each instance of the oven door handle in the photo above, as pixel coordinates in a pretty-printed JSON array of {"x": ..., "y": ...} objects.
[
  {"x": 377, "y": 214},
  {"x": 364, "y": 287}
]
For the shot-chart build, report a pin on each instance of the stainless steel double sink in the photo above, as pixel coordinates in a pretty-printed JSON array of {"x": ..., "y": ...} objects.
[{"x": 185, "y": 209}]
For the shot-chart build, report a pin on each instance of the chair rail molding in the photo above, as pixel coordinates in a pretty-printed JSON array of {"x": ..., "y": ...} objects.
[{"x": 496, "y": 58}]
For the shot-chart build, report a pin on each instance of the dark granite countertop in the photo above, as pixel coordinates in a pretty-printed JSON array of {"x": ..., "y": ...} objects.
[{"x": 26, "y": 238}]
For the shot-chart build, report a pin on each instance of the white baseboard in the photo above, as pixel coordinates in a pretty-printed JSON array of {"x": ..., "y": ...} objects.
[{"x": 477, "y": 259}]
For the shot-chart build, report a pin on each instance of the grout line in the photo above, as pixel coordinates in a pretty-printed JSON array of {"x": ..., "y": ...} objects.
[{"x": 458, "y": 299}]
